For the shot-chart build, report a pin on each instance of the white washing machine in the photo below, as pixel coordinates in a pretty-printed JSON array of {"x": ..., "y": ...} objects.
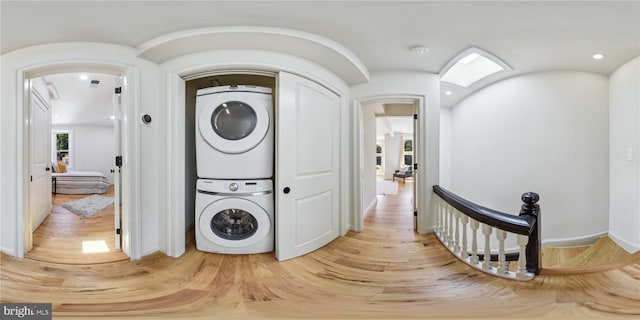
[
  {"x": 234, "y": 216},
  {"x": 234, "y": 133}
]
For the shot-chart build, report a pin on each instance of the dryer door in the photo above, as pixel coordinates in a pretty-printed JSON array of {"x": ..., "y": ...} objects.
[
  {"x": 234, "y": 126},
  {"x": 234, "y": 222}
]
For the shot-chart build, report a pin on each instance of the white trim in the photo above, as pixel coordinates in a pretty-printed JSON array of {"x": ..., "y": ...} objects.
[
  {"x": 220, "y": 61},
  {"x": 573, "y": 242},
  {"x": 370, "y": 208},
  {"x": 357, "y": 156},
  {"x": 131, "y": 207},
  {"x": 624, "y": 244}
]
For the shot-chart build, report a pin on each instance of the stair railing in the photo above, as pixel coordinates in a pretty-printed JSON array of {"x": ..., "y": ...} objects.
[{"x": 457, "y": 217}]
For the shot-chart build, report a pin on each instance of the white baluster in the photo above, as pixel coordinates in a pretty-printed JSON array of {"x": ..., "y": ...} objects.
[
  {"x": 439, "y": 218},
  {"x": 445, "y": 223},
  {"x": 450, "y": 231},
  {"x": 464, "y": 219},
  {"x": 522, "y": 259},
  {"x": 502, "y": 265},
  {"x": 486, "y": 230},
  {"x": 474, "y": 241},
  {"x": 456, "y": 240}
]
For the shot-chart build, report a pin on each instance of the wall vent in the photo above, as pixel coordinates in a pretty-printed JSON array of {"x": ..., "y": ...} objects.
[{"x": 94, "y": 83}]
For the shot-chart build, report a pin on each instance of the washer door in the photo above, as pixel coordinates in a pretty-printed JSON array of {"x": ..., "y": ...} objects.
[
  {"x": 234, "y": 222},
  {"x": 234, "y": 126}
]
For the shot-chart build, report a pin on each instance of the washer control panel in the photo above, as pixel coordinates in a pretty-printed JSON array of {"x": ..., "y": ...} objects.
[{"x": 234, "y": 186}]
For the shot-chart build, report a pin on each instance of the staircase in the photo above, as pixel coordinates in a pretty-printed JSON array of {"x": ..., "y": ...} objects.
[{"x": 602, "y": 255}]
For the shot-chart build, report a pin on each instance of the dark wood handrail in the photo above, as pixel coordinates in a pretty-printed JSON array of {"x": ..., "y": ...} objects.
[
  {"x": 526, "y": 223},
  {"x": 504, "y": 221}
]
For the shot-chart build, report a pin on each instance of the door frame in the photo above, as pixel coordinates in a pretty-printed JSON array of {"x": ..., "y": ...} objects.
[
  {"x": 205, "y": 64},
  {"x": 358, "y": 155},
  {"x": 131, "y": 226}
]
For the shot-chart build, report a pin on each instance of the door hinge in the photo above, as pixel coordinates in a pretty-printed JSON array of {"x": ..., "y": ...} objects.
[
  {"x": 118, "y": 90},
  {"x": 415, "y": 213},
  {"x": 31, "y": 178},
  {"x": 415, "y": 116},
  {"x": 118, "y": 231},
  {"x": 415, "y": 166},
  {"x": 119, "y": 161}
]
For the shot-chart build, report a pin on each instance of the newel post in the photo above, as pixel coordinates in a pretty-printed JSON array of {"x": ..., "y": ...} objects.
[{"x": 531, "y": 210}]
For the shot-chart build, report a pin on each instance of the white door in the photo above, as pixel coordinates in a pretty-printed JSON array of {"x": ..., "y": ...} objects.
[
  {"x": 39, "y": 160},
  {"x": 117, "y": 148},
  {"x": 307, "y": 166},
  {"x": 416, "y": 164}
]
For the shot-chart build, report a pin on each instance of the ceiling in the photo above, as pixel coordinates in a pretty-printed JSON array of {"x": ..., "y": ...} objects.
[
  {"x": 530, "y": 36},
  {"x": 79, "y": 102}
]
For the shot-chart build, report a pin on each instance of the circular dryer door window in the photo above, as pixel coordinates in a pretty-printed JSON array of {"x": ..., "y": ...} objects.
[
  {"x": 234, "y": 222},
  {"x": 234, "y": 126},
  {"x": 233, "y": 120}
]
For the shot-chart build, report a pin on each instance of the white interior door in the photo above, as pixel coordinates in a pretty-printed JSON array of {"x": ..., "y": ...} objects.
[
  {"x": 416, "y": 164},
  {"x": 39, "y": 160},
  {"x": 307, "y": 166},
  {"x": 117, "y": 169}
]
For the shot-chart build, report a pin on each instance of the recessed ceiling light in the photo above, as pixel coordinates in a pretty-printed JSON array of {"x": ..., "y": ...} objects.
[
  {"x": 419, "y": 50},
  {"x": 598, "y": 56},
  {"x": 112, "y": 117},
  {"x": 84, "y": 77},
  {"x": 448, "y": 93}
]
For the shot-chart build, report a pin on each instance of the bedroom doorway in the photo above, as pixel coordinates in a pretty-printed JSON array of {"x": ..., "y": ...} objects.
[{"x": 84, "y": 223}]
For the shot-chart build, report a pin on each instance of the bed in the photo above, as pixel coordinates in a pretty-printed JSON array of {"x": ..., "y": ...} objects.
[{"x": 79, "y": 182}]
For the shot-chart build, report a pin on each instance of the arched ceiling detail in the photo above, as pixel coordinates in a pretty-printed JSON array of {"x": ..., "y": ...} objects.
[{"x": 323, "y": 51}]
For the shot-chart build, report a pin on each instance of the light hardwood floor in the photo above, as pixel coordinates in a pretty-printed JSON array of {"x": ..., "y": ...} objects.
[
  {"x": 61, "y": 236},
  {"x": 386, "y": 271}
]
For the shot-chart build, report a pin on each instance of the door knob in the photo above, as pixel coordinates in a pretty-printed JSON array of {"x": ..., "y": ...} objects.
[
  {"x": 47, "y": 169},
  {"x": 286, "y": 190}
]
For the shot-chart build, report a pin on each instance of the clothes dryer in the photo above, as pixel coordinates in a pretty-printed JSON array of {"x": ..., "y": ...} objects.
[
  {"x": 234, "y": 216},
  {"x": 234, "y": 133}
]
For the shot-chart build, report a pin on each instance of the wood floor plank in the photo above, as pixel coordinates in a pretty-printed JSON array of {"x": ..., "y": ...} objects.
[
  {"x": 60, "y": 237},
  {"x": 385, "y": 272}
]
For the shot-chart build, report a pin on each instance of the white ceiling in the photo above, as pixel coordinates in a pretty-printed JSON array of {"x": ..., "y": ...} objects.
[
  {"x": 80, "y": 104},
  {"x": 393, "y": 125},
  {"x": 530, "y": 36}
]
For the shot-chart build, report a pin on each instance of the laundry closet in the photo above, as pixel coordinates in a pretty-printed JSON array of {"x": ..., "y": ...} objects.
[
  {"x": 295, "y": 205},
  {"x": 229, "y": 142}
]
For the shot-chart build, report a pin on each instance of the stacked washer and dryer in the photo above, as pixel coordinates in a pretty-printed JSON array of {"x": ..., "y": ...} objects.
[{"x": 234, "y": 156}]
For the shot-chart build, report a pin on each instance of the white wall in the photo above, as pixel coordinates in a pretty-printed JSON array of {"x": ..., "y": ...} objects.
[
  {"x": 427, "y": 86},
  {"x": 369, "y": 150},
  {"x": 92, "y": 149},
  {"x": 544, "y": 132},
  {"x": 142, "y": 87},
  {"x": 392, "y": 154},
  {"x": 445, "y": 148},
  {"x": 624, "y": 134}
]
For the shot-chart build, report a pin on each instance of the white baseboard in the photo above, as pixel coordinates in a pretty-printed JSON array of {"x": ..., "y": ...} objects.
[
  {"x": 624, "y": 244},
  {"x": 574, "y": 242},
  {"x": 370, "y": 208},
  {"x": 8, "y": 251}
]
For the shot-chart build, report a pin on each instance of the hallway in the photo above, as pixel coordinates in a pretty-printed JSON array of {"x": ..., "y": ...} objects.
[{"x": 386, "y": 271}]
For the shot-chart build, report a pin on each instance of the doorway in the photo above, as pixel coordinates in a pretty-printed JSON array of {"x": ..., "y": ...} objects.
[
  {"x": 387, "y": 162},
  {"x": 82, "y": 144},
  {"x": 388, "y": 128}
]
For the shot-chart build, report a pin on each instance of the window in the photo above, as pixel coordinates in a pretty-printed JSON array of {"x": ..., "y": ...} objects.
[
  {"x": 62, "y": 140},
  {"x": 378, "y": 155},
  {"x": 407, "y": 152}
]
